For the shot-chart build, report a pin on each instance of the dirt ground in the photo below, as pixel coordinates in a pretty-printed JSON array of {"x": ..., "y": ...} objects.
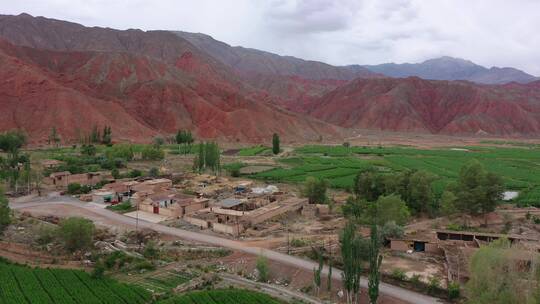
[{"x": 298, "y": 279}]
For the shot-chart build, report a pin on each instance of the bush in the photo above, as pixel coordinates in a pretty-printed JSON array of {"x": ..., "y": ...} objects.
[
  {"x": 98, "y": 271},
  {"x": 46, "y": 234},
  {"x": 152, "y": 153},
  {"x": 299, "y": 242},
  {"x": 415, "y": 280},
  {"x": 76, "y": 188},
  {"x": 135, "y": 173},
  {"x": 434, "y": 285},
  {"x": 153, "y": 172},
  {"x": 5, "y": 212},
  {"x": 262, "y": 269},
  {"x": 76, "y": 233},
  {"x": 150, "y": 251},
  {"x": 399, "y": 274},
  {"x": 453, "y": 291}
]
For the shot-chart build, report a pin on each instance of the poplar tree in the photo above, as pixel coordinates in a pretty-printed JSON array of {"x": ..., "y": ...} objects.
[
  {"x": 375, "y": 261},
  {"x": 275, "y": 143}
]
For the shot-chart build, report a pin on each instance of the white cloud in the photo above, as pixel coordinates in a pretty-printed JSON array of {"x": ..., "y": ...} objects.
[{"x": 489, "y": 32}]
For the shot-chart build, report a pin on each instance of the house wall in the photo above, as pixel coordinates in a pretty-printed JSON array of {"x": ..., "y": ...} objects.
[
  {"x": 259, "y": 218},
  {"x": 146, "y": 208},
  {"x": 194, "y": 207},
  {"x": 197, "y": 222},
  {"x": 433, "y": 248},
  {"x": 400, "y": 245},
  {"x": 233, "y": 229}
]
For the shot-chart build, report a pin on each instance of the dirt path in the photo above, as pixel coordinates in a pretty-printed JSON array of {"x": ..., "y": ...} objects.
[{"x": 109, "y": 218}]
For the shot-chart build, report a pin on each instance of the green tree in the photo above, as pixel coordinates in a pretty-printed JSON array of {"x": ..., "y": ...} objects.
[
  {"x": 317, "y": 272},
  {"x": 375, "y": 261},
  {"x": 106, "y": 136},
  {"x": 420, "y": 196},
  {"x": 152, "y": 152},
  {"x": 10, "y": 168},
  {"x": 209, "y": 157},
  {"x": 477, "y": 191},
  {"x": 53, "y": 139},
  {"x": 5, "y": 212},
  {"x": 391, "y": 209},
  {"x": 262, "y": 269},
  {"x": 315, "y": 190},
  {"x": 95, "y": 136},
  {"x": 88, "y": 149},
  {"x": 352, "y": 255},
  {"x": 448, "y": 203},
  {"x": 115, "y": 173},
  {"x": 76, "y": 233},
  {"x": 275, "y": 143},
  {"x": 369, "y": 185}
]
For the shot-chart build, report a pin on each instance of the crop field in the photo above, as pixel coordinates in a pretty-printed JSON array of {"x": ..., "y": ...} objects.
[
  {"x": 21, "y": 284},
  {"x": 253, "y": 151},
  {"x": 225, "y": 296},
  {"x": 518, "y": 166}
]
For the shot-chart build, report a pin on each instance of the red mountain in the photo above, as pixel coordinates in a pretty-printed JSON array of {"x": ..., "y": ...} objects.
[
  {"x": 449, "y": 107},
  {"x": 57, "y": 73},
  {"x": 140, "y": 83}
]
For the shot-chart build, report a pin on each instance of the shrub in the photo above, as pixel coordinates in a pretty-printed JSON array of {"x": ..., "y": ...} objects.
[
  {"x": 399, "y": 274},
  {"x": 415, "y": 280},
  {"x": 152, "y": 153},
  {"x": 135, "y": 173},
  {"x": 46, "y": 234},
  {"x": 262, "y": 269},
  {"x": 434, "y": 285},
  {"x": 153, "y": 172},
  {"x": 76, "y": 233},
  {"x": 74, "y": 188},
  {"x": 453, "y": 291},
  {"x": 150, "y": 251}
]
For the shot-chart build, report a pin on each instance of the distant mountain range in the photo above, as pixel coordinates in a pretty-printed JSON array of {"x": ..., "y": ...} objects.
[
  {"x": 443, "y": 68},
  {"x": 449, "y": 68},
  {"x": 144, "y": 83}
]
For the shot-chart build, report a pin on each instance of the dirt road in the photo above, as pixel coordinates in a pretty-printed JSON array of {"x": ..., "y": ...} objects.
[{"x": 53, "y": 205}]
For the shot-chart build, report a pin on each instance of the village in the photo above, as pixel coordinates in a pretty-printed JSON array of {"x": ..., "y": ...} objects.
[{"x": 283, "y": 220}]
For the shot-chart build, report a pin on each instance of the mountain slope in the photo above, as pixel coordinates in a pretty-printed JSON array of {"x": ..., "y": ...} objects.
[
  {"x": 448, "y": 107},
  {"x": 448, "y": 68},
  {"x": 256, "y": 61},
  {"x": 153, "y": 89}
]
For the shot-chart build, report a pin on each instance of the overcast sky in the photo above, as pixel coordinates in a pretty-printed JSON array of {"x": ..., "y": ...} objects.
[{"x": 488, "y": 32}]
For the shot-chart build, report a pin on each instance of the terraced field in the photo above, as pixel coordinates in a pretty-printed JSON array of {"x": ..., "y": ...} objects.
[
  {"x": 225, "y": 296},
  {"x": 21, "y": 284},
  {"x": 518, "y": 166}
]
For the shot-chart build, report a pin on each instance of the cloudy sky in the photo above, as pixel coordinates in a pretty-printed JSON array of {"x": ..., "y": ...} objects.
[{"x": 488, "y": 32}]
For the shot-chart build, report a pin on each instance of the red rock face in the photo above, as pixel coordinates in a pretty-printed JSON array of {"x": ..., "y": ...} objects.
[
  {"x": 61, "y": 74},
  {"x": 138, "y": 96},
  {"x": 449, "y": 107}
]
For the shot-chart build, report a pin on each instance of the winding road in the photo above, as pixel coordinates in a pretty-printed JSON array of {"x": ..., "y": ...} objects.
[{"x": 97, "y": 212}]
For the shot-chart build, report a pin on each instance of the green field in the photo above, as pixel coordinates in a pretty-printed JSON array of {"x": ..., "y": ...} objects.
[
  {"x": 252, "y": 151},
  {"x": 519, "y": 167},
  {"x": 21, "y": 284},
  {"x": 225, "y": 296}
]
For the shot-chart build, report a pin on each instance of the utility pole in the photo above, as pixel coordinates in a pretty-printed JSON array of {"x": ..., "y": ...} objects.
[{"x": 288, "y": 240}]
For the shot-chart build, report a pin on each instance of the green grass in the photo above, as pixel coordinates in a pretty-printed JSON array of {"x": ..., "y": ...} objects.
[
  {"x": 253, "y": 151},
  {"x": 517, "y": 166},
  {"x": 222, "y": 296},
  {"x": 122, "y": 207},
  {"x": 20, "y": 284}
]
